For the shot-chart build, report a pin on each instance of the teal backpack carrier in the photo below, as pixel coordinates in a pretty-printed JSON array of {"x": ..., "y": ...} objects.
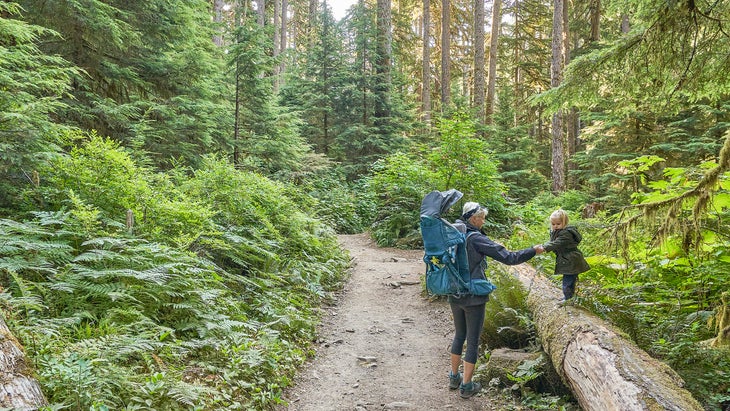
[{"x": 444, "y": 244}]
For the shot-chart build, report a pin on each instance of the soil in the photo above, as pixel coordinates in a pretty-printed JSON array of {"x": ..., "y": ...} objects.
[{"x": 383, "y": 344}]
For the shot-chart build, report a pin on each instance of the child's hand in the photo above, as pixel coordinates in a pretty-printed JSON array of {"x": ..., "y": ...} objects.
[{"x": 539, "y": 248}]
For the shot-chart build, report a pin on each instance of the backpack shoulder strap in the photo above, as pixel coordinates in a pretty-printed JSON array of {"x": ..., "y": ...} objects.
[{"x": 469, "y": 234}]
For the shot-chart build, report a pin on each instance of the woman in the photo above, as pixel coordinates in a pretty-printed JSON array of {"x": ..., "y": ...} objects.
[{"x": 468, "y": 310}]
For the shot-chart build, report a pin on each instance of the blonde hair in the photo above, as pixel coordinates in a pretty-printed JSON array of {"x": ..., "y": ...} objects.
[{"x": 561, "y": 216}]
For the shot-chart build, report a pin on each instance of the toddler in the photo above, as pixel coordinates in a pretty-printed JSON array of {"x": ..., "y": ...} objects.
[{"x": 569, "y": 261}]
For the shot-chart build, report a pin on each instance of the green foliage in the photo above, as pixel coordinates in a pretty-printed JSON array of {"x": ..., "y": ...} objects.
[
  {"x": 98, "y": 173},
  {"x": 400, "y": 183},
  {"x": 663, "y": 294},
  {"x": 465, "y": 162},
  {"x": 507, "y": 320},
  {"x": 523, "y": 164},
  {"x": 32, "y": 85},
  {"x": 188, "y": 309},
  {"x": 151, "y": 76},
  {"x": 351, "y": 110},
  {"x": 339, "y": 204},
  {"x": 459, "y": 161},
  {"x": 267, "y": 135},
  {"x": 677, "y": 68}
]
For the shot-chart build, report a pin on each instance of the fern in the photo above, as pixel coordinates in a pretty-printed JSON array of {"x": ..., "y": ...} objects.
[{"x": 118, "y": 321}]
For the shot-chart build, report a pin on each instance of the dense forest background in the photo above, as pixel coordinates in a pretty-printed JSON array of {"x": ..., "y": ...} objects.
[{"x": 173, "y": 174}]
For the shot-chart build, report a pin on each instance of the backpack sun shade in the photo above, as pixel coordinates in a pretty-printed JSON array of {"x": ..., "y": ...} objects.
[{"x": 447, "y": 266}]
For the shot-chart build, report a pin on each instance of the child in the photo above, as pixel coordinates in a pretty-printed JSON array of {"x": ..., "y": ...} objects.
[{"x": 569, "y": 261}]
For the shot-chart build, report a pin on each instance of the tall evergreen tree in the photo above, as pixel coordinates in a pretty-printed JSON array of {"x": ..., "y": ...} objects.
[
  {"x": 267, "y": 138},
  {"x": 479, "y": 73},
  {"x": 314, "y": 87},
  {"x": 426, "y": 63},
  {"x": 556, "y": 75},
  {"x": 445, "y": 55},
  {"x": 32, "y": 84},
  {"x": 383, "y": 57},
  {"x": 493, "y": 48},
  {"x": 151, "y": 72}
]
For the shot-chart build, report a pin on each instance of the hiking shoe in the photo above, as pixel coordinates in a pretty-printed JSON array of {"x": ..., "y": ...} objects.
[
  {"x": 470, "y": 389},
  {"x": 454, "y": 380}
]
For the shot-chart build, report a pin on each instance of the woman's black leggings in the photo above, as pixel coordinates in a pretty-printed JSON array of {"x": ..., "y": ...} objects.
[{"x": 468, "y": 322}]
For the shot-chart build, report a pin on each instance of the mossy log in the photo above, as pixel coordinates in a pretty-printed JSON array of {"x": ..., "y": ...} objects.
[
  {"x": 19, "y": 390},
  {"x": 603, "y": 368},
  {"x": 505, "y": 361}
]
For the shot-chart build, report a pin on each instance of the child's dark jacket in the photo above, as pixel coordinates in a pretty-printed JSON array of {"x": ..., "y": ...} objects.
[{"x": 568, "y": 259}]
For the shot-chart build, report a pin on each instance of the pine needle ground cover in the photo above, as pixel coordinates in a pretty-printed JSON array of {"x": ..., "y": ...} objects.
[{"x": 208, "y": 301}]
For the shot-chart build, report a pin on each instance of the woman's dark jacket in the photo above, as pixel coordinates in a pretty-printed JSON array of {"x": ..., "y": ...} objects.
[
  {"x": 479, "y": 246},
  {"x": 568, "y": 259}
]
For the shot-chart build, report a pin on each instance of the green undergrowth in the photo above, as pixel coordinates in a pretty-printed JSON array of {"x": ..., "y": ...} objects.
[
  {"x": 209, "y": 300},
  {"x": 665, "y": 296}
]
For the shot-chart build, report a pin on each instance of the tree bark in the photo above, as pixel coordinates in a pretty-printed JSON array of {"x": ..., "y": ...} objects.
[
  {"x": 426, "y": 76},
  {"x": 18, "y": 389},
  {"x": 276, "y": 51},
  {"x": 595, "y": 16},
  {"x": 445, "y": 55},
  {"x": 479, "y": 73},
  {"x": 261, "y": 12},
  {"x": 218, "y": 20},
  {"x": 625, "y": 24},
  {"x": 282, "y": 38},
  {"x": 604, "y": 370},
  {"x": 493, "y": 45},
  {"x": 517, "y": 52},
  {"x": 570, "y": 116},
  {"x": 556, "y": 72},
  {"x": 383, "y": 60}
]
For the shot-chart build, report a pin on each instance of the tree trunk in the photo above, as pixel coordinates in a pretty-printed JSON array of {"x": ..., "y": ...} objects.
[
  {"x": 218, "y": 20},
  {"x": 18, "y": 390},
  {"x": 383, "y": 59},
  {"x": 237, "y": 120},
  {"x": 312, "y": 17},
  {"x": 604, "y": 370},
  {"x": 625, "y": 25},
  {"x": 364, "y": 59},
  {"x": 570, "y": 116},
  {"x": 282, "y": 38},
  {"x": 493, "y": 44},
  {"x": 261, "y": 12},
  {"x": 445, "y": 55},
  {"x": 426, "y": 76},
  {"x": 276, "y": 51},
  {"x": 479, "y": 60},
  {"x": 595, "y": 13},
  {"x": 517, "y": 52},
  {"x": 556, "y": 72}
]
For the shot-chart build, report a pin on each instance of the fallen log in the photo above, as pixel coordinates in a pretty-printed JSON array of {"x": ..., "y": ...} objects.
[
  {"x": 19, "y": 390},
  {"x": 601, "y": 366}
]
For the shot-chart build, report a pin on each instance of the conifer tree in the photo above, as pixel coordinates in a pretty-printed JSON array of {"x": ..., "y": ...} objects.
[
  {"x": 267, "y": 136},
  {"x": 32, "y": 85},
  {"x": 151, "y": 73},
  {"x": 314, "y": 86}
]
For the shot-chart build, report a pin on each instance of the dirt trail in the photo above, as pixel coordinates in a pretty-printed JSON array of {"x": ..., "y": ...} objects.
[{"x": 382, "y": 345}]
